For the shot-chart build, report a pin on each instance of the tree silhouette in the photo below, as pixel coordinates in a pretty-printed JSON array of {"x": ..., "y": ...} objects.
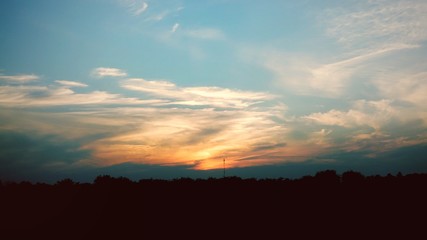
[
  {"x": 353, "y": 178},
  {"x": 68, "y": 182},
  {"x": 103, "y": 180},
  {"x": 327, "y": 177}
]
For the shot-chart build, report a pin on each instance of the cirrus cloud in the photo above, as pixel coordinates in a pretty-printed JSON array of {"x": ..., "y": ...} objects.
[
  {"x": 19, "y": 78},
  {"x": 136, "y": 7},
  {"x": 102, "y": 72},
  {"x": 71, "y": 83},
  {"x": 210, "y": 96},
  {"x": 168, "y": 125}
]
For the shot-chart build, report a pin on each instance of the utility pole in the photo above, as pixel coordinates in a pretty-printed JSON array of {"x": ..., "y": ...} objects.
[{"x": 223, "y": 161}]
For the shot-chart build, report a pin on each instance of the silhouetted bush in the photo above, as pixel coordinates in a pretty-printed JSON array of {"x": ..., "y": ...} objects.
[
  {"x": 352, "y": 178},
  {"x": 327, "y": 177},
  {"x": 103, "y": 180},
  {"x": 65, "y": 183}
]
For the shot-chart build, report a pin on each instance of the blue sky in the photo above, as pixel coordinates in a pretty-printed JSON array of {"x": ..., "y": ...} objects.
[{"x": 169, "y": 88}]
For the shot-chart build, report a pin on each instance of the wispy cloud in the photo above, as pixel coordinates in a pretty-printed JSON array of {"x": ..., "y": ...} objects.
[
  {"x": 158, "y": 16},
  {"x": 209, "y": 96},
  {"x": 141, "y": 8},
  {"x": 358, "y": 85},
  {"x": 33, "y": 96},
  {"x": 71, "y": 83},
  {"x": 175, "y": 27},
  {"x": 244, "y": 126},
  {"x": 161, "y": 15},
  {"x": 364, "y": 113},
  {"x": 370, "y": 126},
  {"x": 166, "y": 130},
  {"x": 108, "y": 72},
  {"x": 366, "y": 34},
  {"x": 409, "y": 87},
  {"x": 19, "y": 78},
  {"x": 194, "y": 137},
  {"x": 378, "y": 23},
  {"x": 309, "y": 77},
  {"x": 136, "y": 7}
]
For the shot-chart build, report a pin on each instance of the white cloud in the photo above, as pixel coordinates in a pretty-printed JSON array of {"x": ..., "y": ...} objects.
[
  {"x": 363, "y": 113},
  {"x": 136, "y": 7},
  {"x": 371, "y": 126},
  {"x": 373, "y": 24},
  {"x": 368, "y": 34},
  {"x": 19, "y": 78},
  {"x": 197, "y": 137},
  {"x": 168, "y": 91},
  {"x": 34, "y": 96},
  {"x": 410, "y": 87},
  {"x": 71, "y": 83},
  {"x": 211, "y": 96},
  {"x": 305, "y": 76},
  {"x": 320, "y": 138},
  {"x": 153, "y": 131},
  {"x": 108, "y": 72},
  {"x": 160, "y": 88},
  {"x": 141, "y": 8},
  {"x": 159, "y": 16},
  {"x": 175, "y": 27}
]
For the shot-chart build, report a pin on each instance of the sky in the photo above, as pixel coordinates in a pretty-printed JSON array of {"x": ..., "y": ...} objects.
[{"x": 168, "y": 89}]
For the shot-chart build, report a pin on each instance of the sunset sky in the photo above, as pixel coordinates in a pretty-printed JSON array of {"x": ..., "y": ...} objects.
[{"x": 168, "y": 88}]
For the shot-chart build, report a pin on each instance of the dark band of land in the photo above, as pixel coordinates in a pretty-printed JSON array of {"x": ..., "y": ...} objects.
[{"x": 325, "y": 202}]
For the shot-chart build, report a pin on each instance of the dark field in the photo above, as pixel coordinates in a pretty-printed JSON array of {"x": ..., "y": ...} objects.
[{"x": 327, "y": 203}]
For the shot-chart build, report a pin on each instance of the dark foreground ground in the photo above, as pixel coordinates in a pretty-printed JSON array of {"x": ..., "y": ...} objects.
[{"x": 326, "y": 205}]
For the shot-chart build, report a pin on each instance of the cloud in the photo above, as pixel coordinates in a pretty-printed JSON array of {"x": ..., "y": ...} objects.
[
  {"x": 372, "y": 72},
  {"x": 306, "y": 76},
  {"x": 136, "y": 7},
  {"x": 267, "y": 146},
  {"x": 373, "y": 33},
  {"x": 162, "y": 87},
  {"x": 193, "y": 137},
  {"x": 195, "y": 127},
  {"x": 406, "y": 159},
  {"x": 409, "y": 87},
  {"x": 19, "y": 78},
  {"x": 373, "y": 24},
  {"x": 71, "y": 83},
  {"x": 364, "y": 113},
  {"x": 367, "y": 34},
  {"x": 194, "y": 96},
  {"x": 373, "y": 126},
  {"x": 332, "y": 79},
  {"x": 32, "y": 96},
  {"x": 25, "y": 156},
  {"x": 190, "y": 126},
  {"x": 141, "y": 8},
  {"x": 175, "y": 27},
  {"x": 156, "y": 135},
  {"x": 108, "y": 72},
  {"x": 159, "y": 16}
]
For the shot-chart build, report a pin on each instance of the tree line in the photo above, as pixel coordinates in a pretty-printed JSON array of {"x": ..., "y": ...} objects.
[
  {"x": 325, "y": 178},
  {"x": 326, "y": 199}
]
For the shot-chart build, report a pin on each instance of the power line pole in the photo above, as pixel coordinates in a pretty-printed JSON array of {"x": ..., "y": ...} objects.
[{"x": 223, "y": 161}]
